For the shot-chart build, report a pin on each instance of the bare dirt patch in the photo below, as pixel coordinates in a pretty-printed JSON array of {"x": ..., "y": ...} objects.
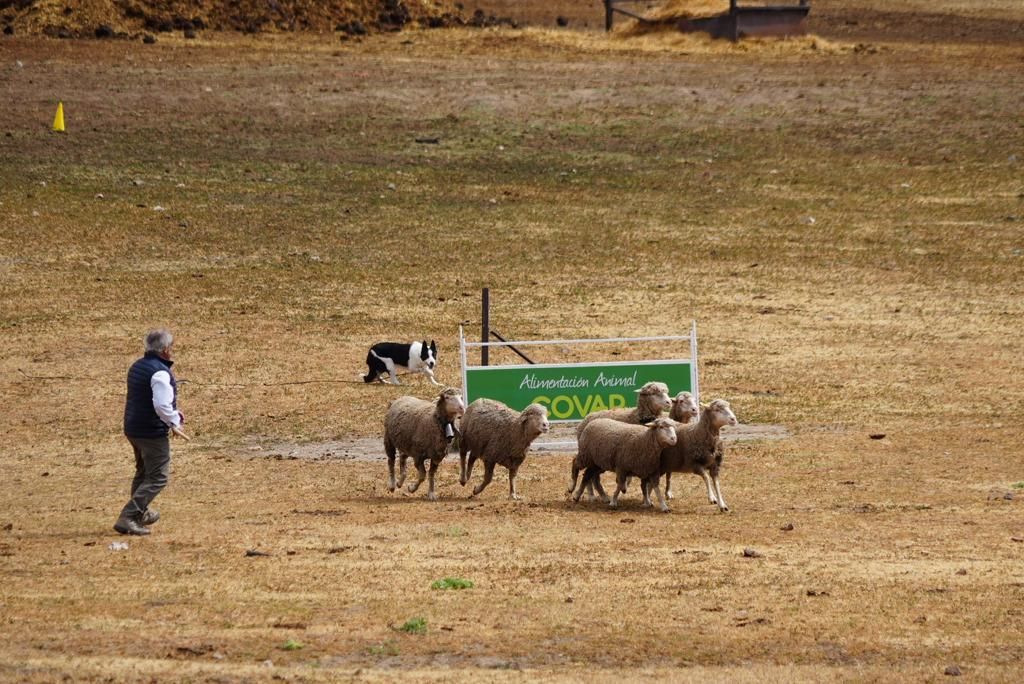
[{"x": 561, "y": 439}]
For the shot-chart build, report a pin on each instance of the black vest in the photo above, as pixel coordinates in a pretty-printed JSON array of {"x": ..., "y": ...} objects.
[{"x": 140, "y": 418}]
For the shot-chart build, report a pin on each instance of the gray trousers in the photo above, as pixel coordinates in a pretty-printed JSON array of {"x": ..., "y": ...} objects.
[{"x": 152, "y": 471}]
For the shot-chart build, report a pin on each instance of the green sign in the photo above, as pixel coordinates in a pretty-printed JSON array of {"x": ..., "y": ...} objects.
[{"x": 571, "y": 391}]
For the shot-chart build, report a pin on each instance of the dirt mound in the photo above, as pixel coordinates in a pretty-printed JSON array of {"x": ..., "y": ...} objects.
[{"x": 131, "y": 18}]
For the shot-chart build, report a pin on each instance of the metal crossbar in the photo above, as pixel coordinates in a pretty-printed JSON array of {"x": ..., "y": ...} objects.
[{"x": 660, "y": 338}]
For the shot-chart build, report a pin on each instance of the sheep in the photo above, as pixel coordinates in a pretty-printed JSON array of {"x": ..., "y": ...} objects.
[
  {"x": 496, "y": 434},
  {"x": 421, "y": 430},
  {"x": 684, "y": 408},
  {"x": 698, "y": 449},
  {"x": 651, "y": 400},
  {"x": 629, "y": 450}
]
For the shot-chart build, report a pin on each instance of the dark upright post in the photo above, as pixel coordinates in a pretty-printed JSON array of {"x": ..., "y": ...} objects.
[
  {"x": 607, "y": 15},
  {"x": 485, "y": 317}
]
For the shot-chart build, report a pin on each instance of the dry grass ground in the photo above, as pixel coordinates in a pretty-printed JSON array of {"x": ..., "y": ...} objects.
[{"x": 844, "y": 224}]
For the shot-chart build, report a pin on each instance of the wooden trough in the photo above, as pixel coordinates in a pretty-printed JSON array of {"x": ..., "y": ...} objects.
[{"x": 739, "y": 22}]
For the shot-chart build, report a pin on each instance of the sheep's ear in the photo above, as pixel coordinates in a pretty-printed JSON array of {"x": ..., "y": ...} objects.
[{"x": 704, "y": 407}]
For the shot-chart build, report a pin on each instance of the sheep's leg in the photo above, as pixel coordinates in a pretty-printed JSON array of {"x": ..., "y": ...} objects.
[
  {"x": 430, "y": 483},
  {"x": 596, "y": 486},
  {"x": 421, "y": 475},
  {"x": 653, "y": 482},
  {"x": 463, "y": 477},
  {"x": 645, "y": 489},
  {"x": 575, "y": 479},
  {"x": 488, "y": 474},
  {"x": 402, "y": 471},
  {"x": 512, "y": 493},
  {"x": 668, "y": 485},
  {"x": 710, "y": 485},
  {"x": 390, "y": 450},
  {"x": 469, "y": 466},
  {"x": 588, "y": 475},
  {"x": 721, "y": 500},
  {"x": 620, "y": 486}
]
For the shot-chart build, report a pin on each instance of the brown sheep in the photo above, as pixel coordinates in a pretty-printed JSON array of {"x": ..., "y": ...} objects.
[
  {"x": 698, "y": 449},
  {"x": 629, "y": 450},
  {"x": 421, "y": 430},
  {"x": 496, "y": 434},
  {"x": 651, "y": 400}
]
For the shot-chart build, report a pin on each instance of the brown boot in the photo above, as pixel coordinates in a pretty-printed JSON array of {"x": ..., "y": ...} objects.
[
  {"x": 126, "y": 525},
  {"x": 150, "y": 516}
]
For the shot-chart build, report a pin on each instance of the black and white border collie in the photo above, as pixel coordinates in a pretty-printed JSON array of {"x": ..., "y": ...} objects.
[{"x": 388, "y": 357}]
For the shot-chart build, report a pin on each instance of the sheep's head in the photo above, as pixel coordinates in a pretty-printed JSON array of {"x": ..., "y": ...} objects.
[
  {"x": 665, "y": 431},
  {"x": 534, "y": 419},
  {"x": 684, "y": 408},
  {"x": 654, "y": 398},
  {"x": 451, "y": 404},
  {"x": 720, "y": 414}
]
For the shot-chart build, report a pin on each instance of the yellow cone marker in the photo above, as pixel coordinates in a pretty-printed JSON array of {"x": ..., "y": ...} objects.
[{"x": 58, "y": 121}]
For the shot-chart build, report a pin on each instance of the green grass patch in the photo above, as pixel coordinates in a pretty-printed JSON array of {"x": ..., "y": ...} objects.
[
  {"x": 1018, "y": 485},
  {"x": 452, "y": 583},
  {"x": 416, "y": 625},
  {"x": 292, "y": 645}
]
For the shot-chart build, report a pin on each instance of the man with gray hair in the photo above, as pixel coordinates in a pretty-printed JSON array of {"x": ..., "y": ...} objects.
[{"x": 150, "y": 415}]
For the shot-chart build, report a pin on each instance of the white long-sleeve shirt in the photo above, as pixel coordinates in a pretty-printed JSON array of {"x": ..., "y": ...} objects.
[{"x": 163, "y": 398}]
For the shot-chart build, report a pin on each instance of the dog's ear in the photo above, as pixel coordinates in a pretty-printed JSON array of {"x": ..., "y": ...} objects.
[
  {"x": 424, "y": 350},
  {"x": 433, "y": 347}
]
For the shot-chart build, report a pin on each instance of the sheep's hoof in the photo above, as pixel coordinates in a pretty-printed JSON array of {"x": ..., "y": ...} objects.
[
  {"x": 668, "y": 495},
  {"x": 431, "y": 496},
  {"x": 391, "y": 488},
  {"x": 666, "y": 509},
  {"x": 515, "y": 497},
  {"x": 724, "y": 509}
]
